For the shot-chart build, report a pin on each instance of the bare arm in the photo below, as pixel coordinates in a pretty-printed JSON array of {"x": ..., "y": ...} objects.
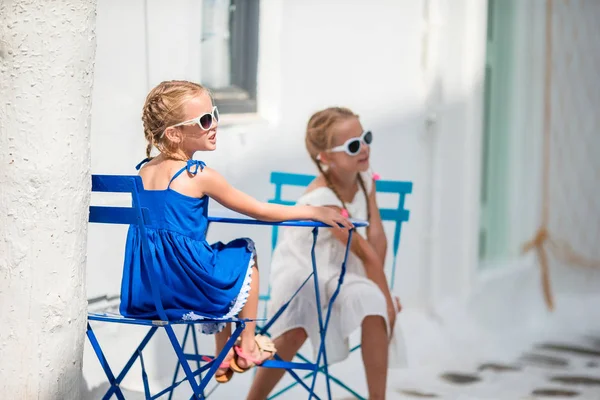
[
  {"x": 372, "y": 262},
  {"x": 216, "y": 187},
  {"x": 375, "y": 232}
]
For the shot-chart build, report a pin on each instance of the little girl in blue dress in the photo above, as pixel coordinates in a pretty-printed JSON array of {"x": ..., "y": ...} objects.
[{"x": 198, "y": 279}]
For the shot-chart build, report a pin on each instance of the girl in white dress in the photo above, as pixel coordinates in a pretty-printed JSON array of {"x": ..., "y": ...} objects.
[{"x": 339, "y": 147}]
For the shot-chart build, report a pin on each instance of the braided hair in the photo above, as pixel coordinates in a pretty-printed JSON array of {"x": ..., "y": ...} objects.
[
  {"x": 319, "y": 138},
  {"x": 164, "y": 108}
]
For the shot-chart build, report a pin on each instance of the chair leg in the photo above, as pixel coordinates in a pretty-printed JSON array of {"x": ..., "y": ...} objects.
[
  {"x": 114, "y": 386},
  {"x": 178, "y": 364},
  {"x": 197, "y": 354},
  {"x": 325, "y": 368},
  {"x": 322, "y": 325},
  {"x": 136, "y": 353},
  {"x": 240, "y": 325},
  {"x": 346, "y": 387},
  {"x": 299, "y": 381},
  {"x": 333, "y": 378},
  {"x": 132, "y": 359},
  {"x": 188, "y": 329},
  {"x": 343, "y": 385},
  {"x": 145, "y": 378},
  {"x": 184, "y": 364}
]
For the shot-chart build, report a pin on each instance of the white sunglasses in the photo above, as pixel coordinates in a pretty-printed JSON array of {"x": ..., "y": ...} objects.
[
  {"x": 205, "y": 121},
  {"x": 352, "y": 146}
]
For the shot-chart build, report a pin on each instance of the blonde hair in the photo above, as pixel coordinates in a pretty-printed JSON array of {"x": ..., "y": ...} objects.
[
  {"x": 164, "y": 108},
  {"x": 319, "y": 138}
]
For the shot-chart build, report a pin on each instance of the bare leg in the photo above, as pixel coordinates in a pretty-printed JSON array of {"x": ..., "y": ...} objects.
[
  {"x": 265, "y": 380},
  {"x": 220, "y": 340},
  {"x": 374, "y": 348},
  {"x": 249, "y": 311}
]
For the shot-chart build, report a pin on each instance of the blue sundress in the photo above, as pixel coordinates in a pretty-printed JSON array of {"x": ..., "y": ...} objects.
[{"x": 197, "y": 280}]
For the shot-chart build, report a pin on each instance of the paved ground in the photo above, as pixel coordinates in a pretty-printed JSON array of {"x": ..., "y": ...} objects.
[
  {"x": 560, "y": 369},
  {"x": 563, "y": 368},
  {"x": 509, "y": 348}
]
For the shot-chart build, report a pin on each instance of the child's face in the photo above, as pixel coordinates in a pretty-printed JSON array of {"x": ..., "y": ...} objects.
[
  {"x": 195, "y": 138},
  {"x": 348, "y": 128}
]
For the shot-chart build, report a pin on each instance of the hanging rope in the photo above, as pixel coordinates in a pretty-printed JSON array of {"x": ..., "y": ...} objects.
[
  {"x": 542, "y": 235},
  {"x": 543, "y": 239}
]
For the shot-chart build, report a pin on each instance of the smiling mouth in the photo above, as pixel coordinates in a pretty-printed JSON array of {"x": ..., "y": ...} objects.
[{"x": 213, "y": 138}]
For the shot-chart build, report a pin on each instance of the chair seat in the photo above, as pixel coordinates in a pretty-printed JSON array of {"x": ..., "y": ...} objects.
[{"x": 120, "y": 319}]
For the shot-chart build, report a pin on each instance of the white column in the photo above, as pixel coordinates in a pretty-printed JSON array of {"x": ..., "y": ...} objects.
[
  {"x": 46, "y": 68},
  {"x": 458, "y": 149}
]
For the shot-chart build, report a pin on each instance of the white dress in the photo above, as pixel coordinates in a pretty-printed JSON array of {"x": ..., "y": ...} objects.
[{"x": 358, "y": 298}]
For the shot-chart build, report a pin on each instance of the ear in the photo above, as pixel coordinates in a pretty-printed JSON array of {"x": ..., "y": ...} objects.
[
  {"x": 173, "y": 134},
  {"x": 322, "y": 157}
]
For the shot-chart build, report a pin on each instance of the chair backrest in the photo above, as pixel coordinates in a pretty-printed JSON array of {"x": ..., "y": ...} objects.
[
  {"x": 397, "y": 215},
  {"x": 134, "y": 215}
]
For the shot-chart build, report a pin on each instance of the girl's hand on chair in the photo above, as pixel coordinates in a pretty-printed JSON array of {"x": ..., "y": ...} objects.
[
  {"x": 332, "y": 217},
  {"x": 393, "y": 310},
  {"x": 398, "y": 304},
  {"x": 391, "y": 318}
]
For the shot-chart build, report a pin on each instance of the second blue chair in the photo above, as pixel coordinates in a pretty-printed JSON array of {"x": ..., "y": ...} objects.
[{"x": 397, "y": 216}]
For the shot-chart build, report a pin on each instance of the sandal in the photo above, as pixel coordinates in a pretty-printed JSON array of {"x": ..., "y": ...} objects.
[
  {"x": 226, "y": 377},
  {"x": 263, "y": 343}
]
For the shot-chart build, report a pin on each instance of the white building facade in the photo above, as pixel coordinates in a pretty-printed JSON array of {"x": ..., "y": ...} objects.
[{"x": 415, "y": 72}]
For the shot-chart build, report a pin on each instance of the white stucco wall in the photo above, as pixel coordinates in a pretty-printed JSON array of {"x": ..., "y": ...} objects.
[
  {"x": 301, "y": 71},
  {"x": 46, "y": 74}
]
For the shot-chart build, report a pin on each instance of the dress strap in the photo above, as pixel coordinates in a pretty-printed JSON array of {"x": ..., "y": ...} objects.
[
  {"x": 191, "y": 167},
  {"x": 144, "y": 161}
]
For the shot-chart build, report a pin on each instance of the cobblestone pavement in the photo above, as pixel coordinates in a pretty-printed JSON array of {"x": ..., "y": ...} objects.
[{"x": 565, "y": 368}]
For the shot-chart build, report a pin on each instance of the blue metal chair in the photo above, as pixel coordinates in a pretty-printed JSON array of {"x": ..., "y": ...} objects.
[
  {"x": 136, "y": 215},
  {"x": 397, "y": 215},
  {"x": 322, "y": 317}
]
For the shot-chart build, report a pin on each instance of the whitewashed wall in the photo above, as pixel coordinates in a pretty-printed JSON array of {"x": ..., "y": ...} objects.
[
  {"x": 46, "y": 73},
  {"x": 345, "y": 58},
  {"x": 382, "y": 58}
]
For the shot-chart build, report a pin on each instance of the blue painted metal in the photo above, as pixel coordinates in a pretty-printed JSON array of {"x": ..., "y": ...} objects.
[
  {"x": 323, "y": 324},
  {"x": 188, "y": 329},
  {"x": 117, "y": 318},
  {"x": 340, "y": 281},
  {"x": 398, "y": 215},
  {"x": 116, "y": 183},
  {"x": 113, "y": 215},
  {"x": 176, "y": 373},
  {"x": 239, "y": 219},
  {"x": 322, "y": 348},
  {"x": 275, "y": 317},
  {"x": 322, "y": 353},
  {"x": 195, "y": 343},
  {"x": 140, "y": 217},
  {"x": 288, "y": 365},
  {"x": 299, "y": 380},
  {"x": 144, "y": 377},
  {"x": 306, "y": 365},
  {"x": 114, "y": 387},
  {"x": 133, "y": 357}
]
